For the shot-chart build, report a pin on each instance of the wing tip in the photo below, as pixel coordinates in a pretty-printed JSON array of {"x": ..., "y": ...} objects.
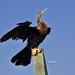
[{"x": 0, "y": 40}]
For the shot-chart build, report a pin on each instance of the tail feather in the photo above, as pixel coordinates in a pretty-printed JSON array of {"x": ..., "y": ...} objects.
[{"x": 23, "y": 57}]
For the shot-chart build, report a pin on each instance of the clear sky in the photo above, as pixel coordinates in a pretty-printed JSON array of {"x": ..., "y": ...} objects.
[{"x": 59, "y": 46}]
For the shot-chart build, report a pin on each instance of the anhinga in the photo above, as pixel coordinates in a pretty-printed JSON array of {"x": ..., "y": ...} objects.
[{"x": 34, "y": 36}]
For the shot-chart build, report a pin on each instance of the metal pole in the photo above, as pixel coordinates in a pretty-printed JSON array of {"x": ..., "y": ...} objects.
[{"x": 40, "y": 64}]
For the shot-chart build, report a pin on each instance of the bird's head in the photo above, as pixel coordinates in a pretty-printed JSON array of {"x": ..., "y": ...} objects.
[{"x": 39, "y": 16}]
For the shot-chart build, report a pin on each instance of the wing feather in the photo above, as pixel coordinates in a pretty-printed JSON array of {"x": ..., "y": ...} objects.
[
  {"x": 19, "y": 32},
  {"x": 49, "y": 30}
]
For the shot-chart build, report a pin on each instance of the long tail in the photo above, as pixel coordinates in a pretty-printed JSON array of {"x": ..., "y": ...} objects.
[{"x": 23, "y": 57}]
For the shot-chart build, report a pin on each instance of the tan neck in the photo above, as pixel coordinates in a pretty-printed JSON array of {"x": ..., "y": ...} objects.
[{"x": 42, "y": 28}]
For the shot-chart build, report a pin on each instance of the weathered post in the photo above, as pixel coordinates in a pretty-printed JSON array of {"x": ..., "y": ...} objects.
[{"x": 40, "y": 63}]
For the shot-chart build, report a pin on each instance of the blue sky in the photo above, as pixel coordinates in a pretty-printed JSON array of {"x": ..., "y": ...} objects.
[{"x": 59, "y": 46}]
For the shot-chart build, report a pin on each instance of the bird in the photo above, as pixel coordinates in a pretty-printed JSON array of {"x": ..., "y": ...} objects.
[{"x": 33, "y": 35}]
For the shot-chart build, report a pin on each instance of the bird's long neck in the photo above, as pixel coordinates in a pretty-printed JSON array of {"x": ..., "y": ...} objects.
[
  {"x": 38, "y": 19},
  {"x": 39, "y": 15},
  {"x": 42, "y": 28}
]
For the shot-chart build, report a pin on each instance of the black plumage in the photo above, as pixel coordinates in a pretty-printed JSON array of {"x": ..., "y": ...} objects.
[{"x": 34, "y": 36}]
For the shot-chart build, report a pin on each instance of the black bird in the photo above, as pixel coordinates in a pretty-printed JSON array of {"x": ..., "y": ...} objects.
[{"x": 34, "y": 36}]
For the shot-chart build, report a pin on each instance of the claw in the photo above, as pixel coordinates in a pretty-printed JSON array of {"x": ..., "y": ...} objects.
[{"x": 36, "y": 51}]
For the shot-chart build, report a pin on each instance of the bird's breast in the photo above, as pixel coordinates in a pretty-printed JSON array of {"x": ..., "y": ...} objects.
[{"x": 35, "y": 38}]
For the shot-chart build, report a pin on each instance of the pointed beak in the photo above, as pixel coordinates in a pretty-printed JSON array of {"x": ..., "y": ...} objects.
[
  {"x": 43, "y": 11},
  {"x": 40, "y": 14}
]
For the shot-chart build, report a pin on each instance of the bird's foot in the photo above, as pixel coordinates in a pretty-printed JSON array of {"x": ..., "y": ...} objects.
[{"x": 36, "y": 51}]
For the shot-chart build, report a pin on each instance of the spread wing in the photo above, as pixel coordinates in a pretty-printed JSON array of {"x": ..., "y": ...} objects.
[{"x": 19, "y": 32}]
